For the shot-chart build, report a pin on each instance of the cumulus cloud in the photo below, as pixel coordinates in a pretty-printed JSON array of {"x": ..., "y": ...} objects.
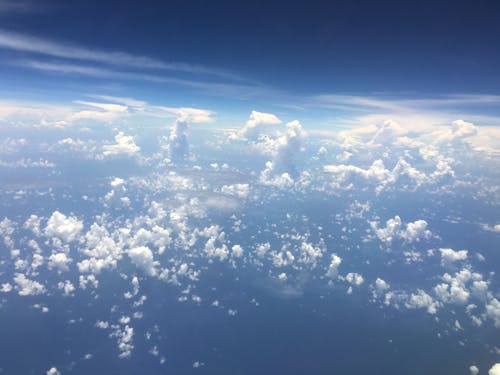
[
  {"x": 53, "y": 371},
  {"x": 256, "y": 124},
  {"x": 332, "y": 271},
  {"x": 395, "y": 230},
  {"x": 422, "y": 300},
  {"x": 125, "y": 145},
  {"x": 66, "y": 228},
  {"x": 450, "y": 256},
  {"x": 27, "y": 287},
  {"x": 59, "y": 261},
  {"x": 143, "y": 258},
  {"x": 177, "y": 145},
  {"x": 495, "y": 369},
  {"x": 281, "y": 170}
]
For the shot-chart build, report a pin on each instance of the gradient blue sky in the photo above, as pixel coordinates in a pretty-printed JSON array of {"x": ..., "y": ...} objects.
[{"x": 320, "y": 59}]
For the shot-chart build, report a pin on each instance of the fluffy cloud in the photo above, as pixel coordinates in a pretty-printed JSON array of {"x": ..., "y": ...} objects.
[
  {"x": 143, "y": 258},
  {"x": 53, "y": 371},
  {"x": 125, "y": 145},
  {"x": 450, "y": 256},
  {"x": 67, "y": 228},
  {"x": 281, "y": 170},
  {"x": 332, "y": 271},
  {"x": 421, "y": 300},
  {"x": 255, "y": 125},
  {"x": 395, "y": 230},
  {"x": 59, "y": 261},
  {"x": 493, "y": 311},
  {"x": 354, "y": 278},
  {"x": 495, "y": 369},
  {"x": 27, "y": 287}
]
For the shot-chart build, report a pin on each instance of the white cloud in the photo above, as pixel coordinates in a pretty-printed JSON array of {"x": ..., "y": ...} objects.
[
  {"x": 473, "y": 370},
  {"x": 59, "y": 261},
  {"x": 495, "y": 369},
  {"x": 143, "y": 258},
  {"x": 53, "y": 371},
  {"x": 125, "y": 144},
  {"x": 354, "y": 278},
  {"x": 27, "y": 287},
  {"x": 421, "y": 300},
  {"x": 493, "y": 311},
  {"x": 28, "y": 43},
  {"x": 332, "y": 271},
  {"x": 395, "y": 230},
  {"x": 281, "y": 170},
  {"x": 256, "y": 124},
  {"x": 450, "y": 256},
  {"x": 67, "y": 228},
  {"x": 106, "y": 112}
]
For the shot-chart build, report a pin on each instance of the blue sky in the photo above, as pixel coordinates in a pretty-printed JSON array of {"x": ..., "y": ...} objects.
[{"x": 325, "y": 62}]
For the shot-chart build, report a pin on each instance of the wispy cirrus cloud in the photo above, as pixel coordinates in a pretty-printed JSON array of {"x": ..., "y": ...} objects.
[
  {"x": 27, "y": 43},
  {"x": 236, "y": 90}
]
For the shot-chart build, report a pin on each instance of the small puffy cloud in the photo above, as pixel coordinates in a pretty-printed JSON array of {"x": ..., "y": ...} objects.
[
  {"x": 67, "y": 228},
  {"x": 125, "y": 145},
  {"x": 421, "y": 300},
  {"x": 395, "y": 230},
  {"x": 473, "y": 370},
  {"x": 332, "y": 271},
  {"x": 450, "y": 256},
  {"x": 67, "y": 287},
  {"x": 354, "y": 278},
  {"x": 380, "y": 287},
  {"x": 495, "y": 369},
  {"x": 27, "y": 287},
  {"x": 237, "y": 251},
  {"x": 142, "y": 257},
  {"x": 53, "y": 371},
  {"x": 493, "y": 312},
  {"x": 491, "y": 228},
  {"x": 117, "y": 181},
  {"x": 59, "y": 261},
  {"x": 238, "y": 190}
]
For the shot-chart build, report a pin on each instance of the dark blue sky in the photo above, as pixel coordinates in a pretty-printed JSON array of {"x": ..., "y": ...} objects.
[
  {"x": 318, "y": 45},
  {"x": 304, "y": 48}
]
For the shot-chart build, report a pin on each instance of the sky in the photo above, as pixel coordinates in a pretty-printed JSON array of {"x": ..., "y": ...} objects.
[
  {"x": 324, "y": 59},
  {"x": 230, "y": 187}
]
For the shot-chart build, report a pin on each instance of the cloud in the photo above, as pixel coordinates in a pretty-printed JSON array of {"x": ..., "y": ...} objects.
[
  {"x": 59, "y": 261},
  {"x": 450, "y": 256},
  {"x": 67, "y": 228},
  {"x": 177, "y": 145},
  {"x": 495, "y": 369},
  {"x": 28, "y": 43},
  {"x": 281, "y": 170},
  {"x": 53, "y": 371},
  {"x": 421, "y": 300},
  {"x": 395, "y": 230},
  {"x": 27, "y": 287},
  {"x": 108, "y": 112},
  {"x": 143, "y": 258},
  {"x": 256, "y": 124},
  {"x": 125, "y": 145}
]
